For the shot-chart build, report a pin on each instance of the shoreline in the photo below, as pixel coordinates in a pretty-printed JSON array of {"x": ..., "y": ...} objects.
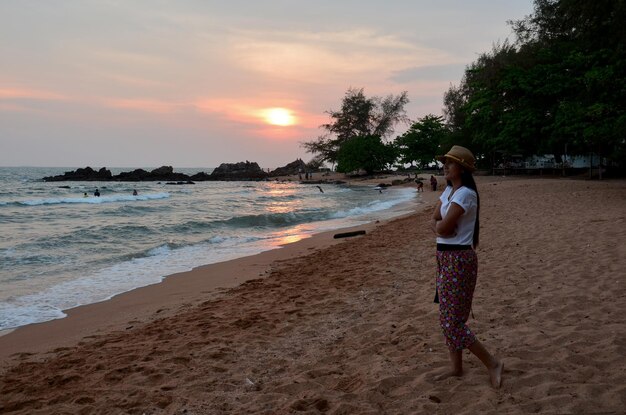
[
  {"x": 351, "y": 327},
  {"x": 69, "y": 285},
  {"x": 174, "y": 291}
]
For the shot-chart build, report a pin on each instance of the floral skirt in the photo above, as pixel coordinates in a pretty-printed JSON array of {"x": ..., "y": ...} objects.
[{"x": 456, "y": 279}]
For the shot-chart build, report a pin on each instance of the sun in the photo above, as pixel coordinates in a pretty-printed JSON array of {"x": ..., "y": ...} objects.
[{"x": 279, "y": 116}]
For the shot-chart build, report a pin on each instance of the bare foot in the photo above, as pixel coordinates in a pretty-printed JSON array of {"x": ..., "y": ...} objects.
[
  {"x": 447, "y": 374},
  {"x": 495, "y": 373}
]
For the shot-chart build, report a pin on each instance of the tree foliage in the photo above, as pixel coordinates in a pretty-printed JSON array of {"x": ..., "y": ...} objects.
[
  {"x": 421, "y": 143},
  {"x": 367, "y": 152},
  {"x": 359, "y": 116},
  {"x": 561, "y": 82}
]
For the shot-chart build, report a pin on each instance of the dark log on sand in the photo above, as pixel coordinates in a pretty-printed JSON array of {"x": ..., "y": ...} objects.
[{"x": 348, "y": 234}]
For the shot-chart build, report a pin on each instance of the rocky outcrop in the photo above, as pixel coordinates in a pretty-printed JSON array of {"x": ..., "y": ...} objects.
[
  {"x": 234, "y": 171},
  {"x": 165, "y": 173},
  {"x": 136, "y": 175},
  {"x": 85, "y": 175},
  {"x": 200, "y": 177},
  {"x": 238, "y": 171},
  {"x": 292, "y": 168}
]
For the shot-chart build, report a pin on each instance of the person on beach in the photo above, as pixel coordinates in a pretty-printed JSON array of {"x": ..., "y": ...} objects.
[
  {"x": 455, "y": 222},
  {"x": 420, "y": 185},
  {"x": 433, "y": 183}
]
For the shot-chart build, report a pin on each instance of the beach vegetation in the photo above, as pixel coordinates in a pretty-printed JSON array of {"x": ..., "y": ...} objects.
[
  {"x": 367, "y": 152},
  {"x": 420, "y": 144},
  {"x": 559, "y": 85},
  {"x": 359, "y": 116},
  {"x": 315, "y": 164}
]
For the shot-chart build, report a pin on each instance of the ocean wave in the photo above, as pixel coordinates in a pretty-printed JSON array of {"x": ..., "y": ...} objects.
[
  {"x": 170, "y": 248},
  {"x": 137, "y": 209},
  {"x": 107, "y": 282},
  {"x": 164, "y": 249},
  {"x": 7, "y": 251},
  {"x": 93, "y": 199},
  {"x": 277, "y": 220},
  {"x": 191, "y": 227},
  {"x": 12, "y": 316},
  {"x": 273, "y": 220},
  {"x": 87, "y": 238},
  {"x": 375, "y": 206},
  {"x": 13, "y": 259},
  {"x": 279, "y": 198}
]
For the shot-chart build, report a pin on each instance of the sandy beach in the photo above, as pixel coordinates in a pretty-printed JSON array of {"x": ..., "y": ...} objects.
[{"x": 349, "y": 327}]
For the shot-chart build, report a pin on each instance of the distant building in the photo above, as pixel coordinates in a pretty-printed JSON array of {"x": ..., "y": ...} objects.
[
  {"x": 550, "y": 161},
  {"x": 545, "y": 161},
  {"x": 581, "y": 162}
]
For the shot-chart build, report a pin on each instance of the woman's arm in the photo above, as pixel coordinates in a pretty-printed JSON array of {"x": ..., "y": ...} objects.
[
  {"x": 447, "y": 226},
  {"x": 436, "y": 217},
  {"x": 437, "y": 211}
]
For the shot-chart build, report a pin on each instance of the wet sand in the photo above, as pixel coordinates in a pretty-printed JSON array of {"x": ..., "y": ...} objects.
[{"x": 348, "y": 326}]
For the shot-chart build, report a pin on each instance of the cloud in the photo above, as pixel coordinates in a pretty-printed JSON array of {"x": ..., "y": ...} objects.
[
  {"x": 132, "y": 81},
  {"x": 449, "y": 72},
  {"x": 8, "y": 107},
  {"x": 323, "y": 56},
  {"x": 146, "y": 105},
  {"x": 280, "y": 133},
  {"x": 30, "y": 94},
  {"x": 123, "y": 57}
]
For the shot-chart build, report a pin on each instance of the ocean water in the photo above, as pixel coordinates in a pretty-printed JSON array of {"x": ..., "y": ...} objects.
[{"x": 59, "y": 249}]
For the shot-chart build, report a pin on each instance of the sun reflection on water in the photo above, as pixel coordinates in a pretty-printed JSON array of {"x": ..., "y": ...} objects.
[{"x": 291, "y": 235}]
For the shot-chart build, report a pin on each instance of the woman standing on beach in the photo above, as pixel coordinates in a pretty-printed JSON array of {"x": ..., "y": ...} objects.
[{"x": 455, "y": 221}]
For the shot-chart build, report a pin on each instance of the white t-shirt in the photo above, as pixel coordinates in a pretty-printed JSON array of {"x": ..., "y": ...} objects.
[{"x": 468, "y": 200}]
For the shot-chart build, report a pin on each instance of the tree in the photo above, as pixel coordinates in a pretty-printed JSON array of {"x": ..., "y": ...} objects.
[
  {"x": 367, "y": 153},
  {"x": 314, "y": 164},
  {"x": 560, "y": 83},
  {"x": 454, "y": 99},
  {"x": 421, "y": 143},
  {"x": 454, "y": 103},
  {"x": 359, "y": 116}
]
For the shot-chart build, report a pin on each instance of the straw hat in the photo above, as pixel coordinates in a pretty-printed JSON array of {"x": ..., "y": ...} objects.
[{"x": 460, "y": 155}]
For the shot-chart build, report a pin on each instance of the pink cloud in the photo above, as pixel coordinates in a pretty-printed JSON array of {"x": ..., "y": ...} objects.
[
  {"x": 28, "y": 93},
  {"x": 6, "y": 107},
  {"x": 145, "y": 105}
]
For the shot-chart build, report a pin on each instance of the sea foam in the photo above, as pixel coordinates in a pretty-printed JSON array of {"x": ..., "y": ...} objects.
[
  {"x": 93, "y": 199},
  {"x": 121, "y": 277}
]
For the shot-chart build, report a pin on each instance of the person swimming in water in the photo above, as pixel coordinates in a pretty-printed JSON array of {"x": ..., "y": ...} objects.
[
  {"x": 134, "y": 192},
  {"x": 96, "y": 193}
]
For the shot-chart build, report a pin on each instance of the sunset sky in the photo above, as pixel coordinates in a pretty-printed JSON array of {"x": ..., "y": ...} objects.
[{"x": 194, "y": 83}]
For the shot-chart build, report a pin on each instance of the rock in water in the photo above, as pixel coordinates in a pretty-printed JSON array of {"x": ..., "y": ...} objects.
[
  {"x": 238, "y": 171},
  {"x": 294, "y": 167},
  {"x": 86, "y": 174}
]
